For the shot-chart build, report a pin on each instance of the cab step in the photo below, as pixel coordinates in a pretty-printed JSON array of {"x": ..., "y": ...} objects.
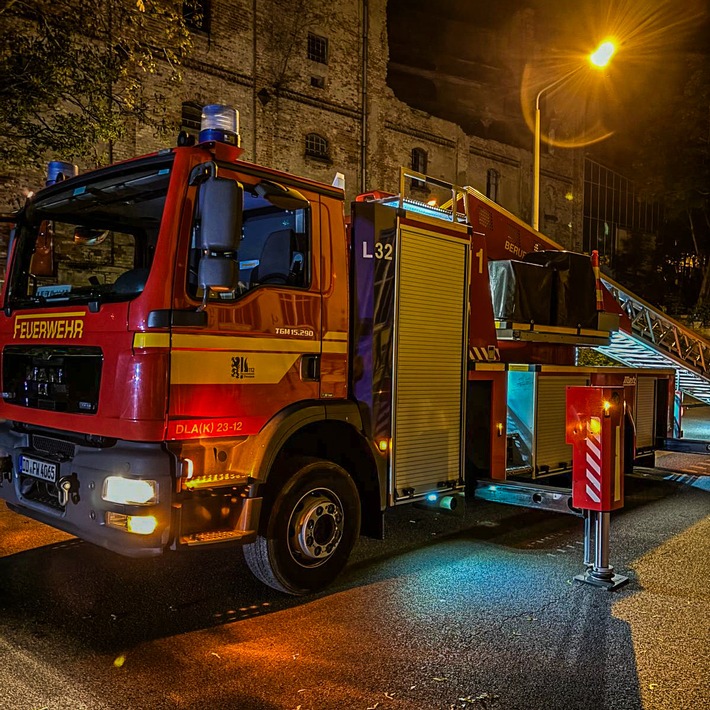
[{"x": 214, "y": 536}]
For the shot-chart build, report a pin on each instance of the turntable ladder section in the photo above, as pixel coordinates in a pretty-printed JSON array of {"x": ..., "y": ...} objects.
[{"x": 657, "y": 340}]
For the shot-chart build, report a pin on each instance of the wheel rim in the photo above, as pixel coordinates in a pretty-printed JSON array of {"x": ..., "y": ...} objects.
[{"x": 316, "y": 527}]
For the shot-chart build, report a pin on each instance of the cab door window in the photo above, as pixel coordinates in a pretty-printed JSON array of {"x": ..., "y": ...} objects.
[{"x": 275, "y": 245}]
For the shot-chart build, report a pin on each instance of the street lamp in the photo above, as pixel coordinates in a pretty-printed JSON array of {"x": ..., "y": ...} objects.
[{"x": 599, "y": 58}]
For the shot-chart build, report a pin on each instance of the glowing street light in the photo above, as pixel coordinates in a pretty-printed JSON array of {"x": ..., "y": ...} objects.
[
  {"x": 602, "y": 55},
  {"x": 599, "y": 58}
]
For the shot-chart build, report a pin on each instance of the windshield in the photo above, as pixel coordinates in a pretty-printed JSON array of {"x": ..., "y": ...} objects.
[{"x": 90, "y": 241}]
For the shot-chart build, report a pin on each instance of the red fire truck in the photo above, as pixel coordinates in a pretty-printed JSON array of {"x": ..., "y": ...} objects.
[{"x": 197, "y": 350}]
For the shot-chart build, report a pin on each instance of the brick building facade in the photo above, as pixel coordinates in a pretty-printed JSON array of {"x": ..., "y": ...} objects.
[{"x": 309, "y": 79}]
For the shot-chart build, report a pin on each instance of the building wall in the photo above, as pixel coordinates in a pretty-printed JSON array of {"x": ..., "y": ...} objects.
[
  {"x": 254, "y": 57},
  {"x": 467, "y": 67}
]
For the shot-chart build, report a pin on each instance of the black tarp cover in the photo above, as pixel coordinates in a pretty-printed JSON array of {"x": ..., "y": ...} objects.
[
  {"x": 521, "y": 292},
  {"x": 573, "y": 288}
]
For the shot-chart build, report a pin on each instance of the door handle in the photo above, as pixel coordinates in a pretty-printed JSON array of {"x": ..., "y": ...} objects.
[{"x": 310, "y": 368}]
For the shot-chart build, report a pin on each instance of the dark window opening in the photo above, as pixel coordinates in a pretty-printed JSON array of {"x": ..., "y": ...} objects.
[
  {"x": 492, "y": 184},
  {"x": 196, "y": 14},
  {"x": 612, "y": 207},
  {"x": 419, "y": 165},
  {"x": 317, "y": 48},
  {"x": 550, "y": 142},
  {"x": 318, "y": 82},
  {"x": 191, "y": 118}
]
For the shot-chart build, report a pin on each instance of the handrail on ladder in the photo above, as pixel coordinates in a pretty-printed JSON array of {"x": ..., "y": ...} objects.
[{"x": 661, "y": 332}]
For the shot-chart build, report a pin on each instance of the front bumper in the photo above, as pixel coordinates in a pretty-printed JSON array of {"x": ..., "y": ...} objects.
[{"x": 81, "y": 470}]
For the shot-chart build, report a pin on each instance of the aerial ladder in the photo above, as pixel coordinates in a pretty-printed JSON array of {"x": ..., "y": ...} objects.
[{"x": 652, "y": 339}]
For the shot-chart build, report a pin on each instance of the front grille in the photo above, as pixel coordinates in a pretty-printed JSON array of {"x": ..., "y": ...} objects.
[
  {"x": 55, "y": 447},
  {"x": 59, "y": 379}
]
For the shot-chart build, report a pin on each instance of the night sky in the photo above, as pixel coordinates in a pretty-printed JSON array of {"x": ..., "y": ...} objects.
[{"x": 473, "y": 45}]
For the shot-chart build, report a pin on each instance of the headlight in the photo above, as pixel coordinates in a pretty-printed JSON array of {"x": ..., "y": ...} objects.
[{"x": 130, "y": 491}]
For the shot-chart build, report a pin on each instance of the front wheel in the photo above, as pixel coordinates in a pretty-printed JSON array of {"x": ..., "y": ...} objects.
[{"x": 312, "y": 525}]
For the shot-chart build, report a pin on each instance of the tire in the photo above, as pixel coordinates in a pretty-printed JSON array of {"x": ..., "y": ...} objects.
[{"x": 310, "y": 523}]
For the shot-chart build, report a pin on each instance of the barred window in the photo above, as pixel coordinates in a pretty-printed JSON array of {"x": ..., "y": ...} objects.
[
  {"x": 196, "y": 14},
  {"x": 317, "y": 146},
  {"x": 317, "y": 48},
  {"x": 191, "y": 118}
]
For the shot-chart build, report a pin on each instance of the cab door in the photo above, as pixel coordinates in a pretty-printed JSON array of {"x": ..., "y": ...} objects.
[{"x": 257, "y": 347}]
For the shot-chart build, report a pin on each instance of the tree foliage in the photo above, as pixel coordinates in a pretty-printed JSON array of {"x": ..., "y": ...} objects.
[
  {"x": 76, "y": 74},
  {"x": 288, "y": 38},
  {"x": 673, "y": 163},
  {"x": 587, "y": 357}
]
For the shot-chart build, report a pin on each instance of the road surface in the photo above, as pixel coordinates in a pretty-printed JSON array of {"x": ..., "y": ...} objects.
[{"x": 477, "y": 612}]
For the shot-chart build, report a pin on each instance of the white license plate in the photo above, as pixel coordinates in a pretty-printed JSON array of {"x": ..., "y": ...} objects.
[{"x": 44, "y": 470}]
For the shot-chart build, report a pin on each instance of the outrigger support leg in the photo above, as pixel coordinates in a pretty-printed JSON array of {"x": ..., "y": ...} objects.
[{"x": 600, "y": 573}]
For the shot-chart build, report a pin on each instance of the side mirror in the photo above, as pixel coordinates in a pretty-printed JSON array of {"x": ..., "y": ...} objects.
[
  {"x": 217, "y": 273},
  {"x": 220, "y": 203},
  {"x": 285, "y": 198}
]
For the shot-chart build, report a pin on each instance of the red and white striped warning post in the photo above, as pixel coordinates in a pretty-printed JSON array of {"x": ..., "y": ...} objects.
[
  {"x": 595, "y": 428},
  {"x": 593, "y": 463}
]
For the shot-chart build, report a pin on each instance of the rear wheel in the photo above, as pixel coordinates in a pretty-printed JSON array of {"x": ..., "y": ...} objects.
[{"x": 313, "y": 523}]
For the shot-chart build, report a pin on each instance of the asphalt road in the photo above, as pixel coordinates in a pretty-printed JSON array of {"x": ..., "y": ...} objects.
[{"x": 477, "y": 612}]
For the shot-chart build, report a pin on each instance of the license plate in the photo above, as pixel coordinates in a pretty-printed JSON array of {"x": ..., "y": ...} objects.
[{"x": 44, "y": 470}]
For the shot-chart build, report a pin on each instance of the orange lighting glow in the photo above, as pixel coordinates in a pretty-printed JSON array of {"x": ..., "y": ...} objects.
[
  {"x": 189, "y": 468},
  {"x": 141, "y": 524},
  {"x": 138, "y": 524}
]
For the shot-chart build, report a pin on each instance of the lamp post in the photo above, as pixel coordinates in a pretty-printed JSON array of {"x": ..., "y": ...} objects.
[{"x": 599, "y": 58}]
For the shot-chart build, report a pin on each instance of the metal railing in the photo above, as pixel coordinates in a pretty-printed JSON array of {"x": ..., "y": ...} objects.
[
  {"x": 664, "y": 334},
  {"x": 656, "y": 340}
]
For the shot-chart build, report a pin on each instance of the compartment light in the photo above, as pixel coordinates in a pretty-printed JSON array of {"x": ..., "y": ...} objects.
[
  {"x": 383, "y": 445},
  {"x": 595, "y": 425}
]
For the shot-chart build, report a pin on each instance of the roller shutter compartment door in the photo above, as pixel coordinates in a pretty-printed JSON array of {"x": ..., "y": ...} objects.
[
  {"x": 429, "y": 363},
  {"x": 645, "y": 412}
]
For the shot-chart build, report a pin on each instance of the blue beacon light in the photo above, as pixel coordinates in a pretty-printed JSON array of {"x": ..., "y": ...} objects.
[
  {"x": 58, "y": 170},
  {"x": 221, "y": 124}
]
